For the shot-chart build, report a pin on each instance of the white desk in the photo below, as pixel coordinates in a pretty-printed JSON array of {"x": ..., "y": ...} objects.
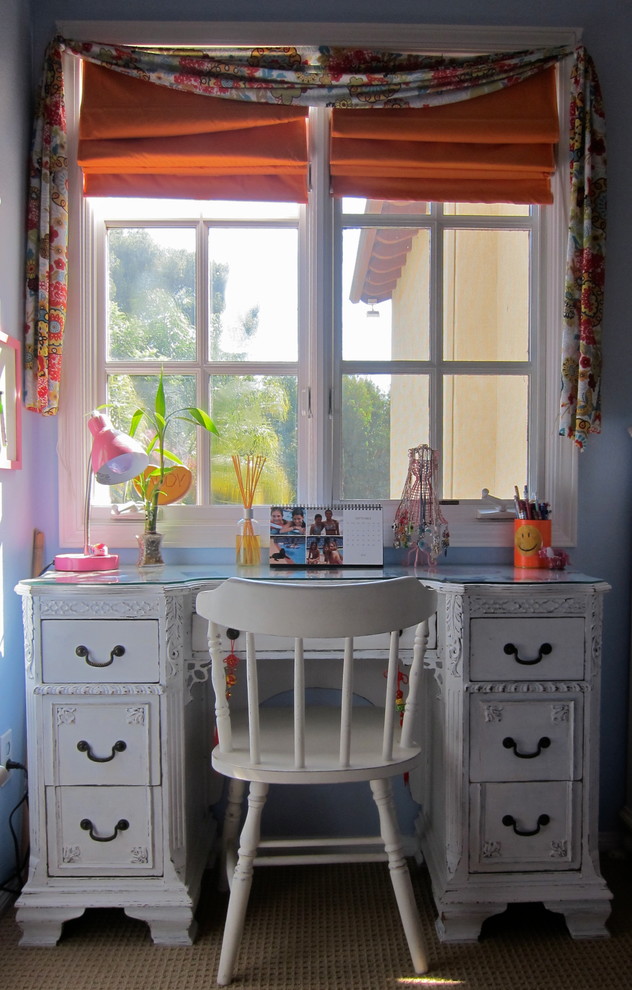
[{"x": 119, "y": 735}]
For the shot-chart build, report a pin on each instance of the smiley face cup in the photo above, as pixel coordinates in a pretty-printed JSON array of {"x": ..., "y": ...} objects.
[{"x": 530, "y": 536}]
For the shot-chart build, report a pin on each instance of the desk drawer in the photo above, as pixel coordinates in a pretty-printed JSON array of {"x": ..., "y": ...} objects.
[
  {"x": 103, "y": 741},
  {"x": 530, "y": 648},
  {"x": 99, "y": 650},
  {"x": 103, "y": 831},
  {"x": 524, "y": 738},
  {"x": 525, "y": 826}
]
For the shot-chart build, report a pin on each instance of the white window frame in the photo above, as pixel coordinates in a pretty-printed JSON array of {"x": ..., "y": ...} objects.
[{"x": 199, "y": 526}]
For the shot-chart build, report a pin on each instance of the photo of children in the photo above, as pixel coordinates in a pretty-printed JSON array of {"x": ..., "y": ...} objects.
[
  {"x": 306, "y": 536},
  {"x": 288, "y": 550}
]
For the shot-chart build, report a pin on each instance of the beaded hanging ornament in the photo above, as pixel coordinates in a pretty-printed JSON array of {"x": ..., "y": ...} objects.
[
  {"x": 419, "y": 523},
  {"x": 231, "y": 662}
]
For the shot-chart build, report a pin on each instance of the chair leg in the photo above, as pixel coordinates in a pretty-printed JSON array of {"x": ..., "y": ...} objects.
[
  {"x": 400, "y": 877},
  {"x": 230, "y": 832},
  {"x": 242, "y": 882}
]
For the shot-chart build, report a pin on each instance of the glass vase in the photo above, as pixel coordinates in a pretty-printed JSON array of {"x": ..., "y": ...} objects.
[
  {"x": 149, "y": 549},
  {"x": 247, "y": 541}
]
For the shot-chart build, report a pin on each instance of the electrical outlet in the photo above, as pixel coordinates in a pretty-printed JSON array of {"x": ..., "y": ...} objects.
[{"x": 5, "y": 747}]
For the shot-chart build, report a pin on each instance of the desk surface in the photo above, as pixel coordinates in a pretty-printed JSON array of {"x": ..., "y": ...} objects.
[{"x": 164, "y": 574}]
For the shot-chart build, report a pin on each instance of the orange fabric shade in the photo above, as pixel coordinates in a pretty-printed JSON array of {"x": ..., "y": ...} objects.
[
  {"x": 494, "y": 148},
  {"x": 137, "y": 138}
]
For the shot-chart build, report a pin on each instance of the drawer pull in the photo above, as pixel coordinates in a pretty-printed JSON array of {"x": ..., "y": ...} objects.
[
  {"x": 510, "y": 743},
  {"x": 83, "y": 651},
  {"x": 121, "y": 826},
  {"x": 512, "y": 650},
  {"x": 510, "y": 821},
  {"x": 84, "y": 747}
]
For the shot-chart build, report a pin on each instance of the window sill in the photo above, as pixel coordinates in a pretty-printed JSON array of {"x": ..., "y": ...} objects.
[{"x": 189, "y": 527}]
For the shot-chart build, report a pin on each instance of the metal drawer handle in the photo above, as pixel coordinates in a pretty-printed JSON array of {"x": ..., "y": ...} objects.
[
  {"x": 84, "y": 747},
  {"x": 510, "y": 821},
  {"x": 510, "y": 743},
  {"x": 83, "y": 651},
  {"x": 121, "y": 826},
  {"x": 512, "y": 650}
]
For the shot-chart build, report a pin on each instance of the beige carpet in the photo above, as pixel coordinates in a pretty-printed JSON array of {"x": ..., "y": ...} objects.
[{"x": 328, "y": 928}]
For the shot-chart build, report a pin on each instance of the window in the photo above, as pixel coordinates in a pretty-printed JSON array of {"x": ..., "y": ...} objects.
[
  {"x": 335, "y": 369},
  {"x": 211, "y": 298},
  {"x": 443, "y": 346}
]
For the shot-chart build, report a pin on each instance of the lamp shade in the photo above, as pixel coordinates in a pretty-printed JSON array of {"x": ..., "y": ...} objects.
[{"x": 116, "y": 457}]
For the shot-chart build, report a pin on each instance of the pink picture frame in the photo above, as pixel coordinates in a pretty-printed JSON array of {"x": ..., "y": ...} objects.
[{"x": 11, "y": 402}]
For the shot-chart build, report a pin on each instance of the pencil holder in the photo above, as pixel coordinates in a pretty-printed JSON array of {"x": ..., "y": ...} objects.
[{"x": 530, "y": 535}]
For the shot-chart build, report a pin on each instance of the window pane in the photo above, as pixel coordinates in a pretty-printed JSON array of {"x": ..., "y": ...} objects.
[
  {"x": 486, "y": 295},
  {"x": 382, "y": 417},
  {"x": 386, "y": 294},
  {"x": 484, "y": 435},
  {"x": 353, "y": 204},
  {"x": 124, "y": 208},
  {"x": 151, "y": 304},
  {"x": 253, "y": 294},
  {"x": 486, "y": 209},
  {"x": 255, "y": 414},
  {"x": 126, "y": 393}
]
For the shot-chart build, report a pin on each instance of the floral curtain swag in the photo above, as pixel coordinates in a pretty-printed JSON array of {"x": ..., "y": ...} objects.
[{"x": 327, "y": 77}]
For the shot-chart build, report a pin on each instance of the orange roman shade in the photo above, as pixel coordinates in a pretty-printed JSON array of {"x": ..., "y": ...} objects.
[
  {"x": 494, "y": 148},
  {"x": 138, "y": 138}
]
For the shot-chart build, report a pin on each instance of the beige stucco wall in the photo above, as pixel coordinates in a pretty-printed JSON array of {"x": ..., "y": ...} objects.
[{"x": 485, "y": 318}]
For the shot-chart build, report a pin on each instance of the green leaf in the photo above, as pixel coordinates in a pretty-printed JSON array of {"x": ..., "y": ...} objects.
[
  {"x": 160, "y": 423},
  {"x": 161, "y": 404},
  {"x": 200, "y": 418},
  {"x": 171, "y": 457},
  {"x": 136, "y": 418}
]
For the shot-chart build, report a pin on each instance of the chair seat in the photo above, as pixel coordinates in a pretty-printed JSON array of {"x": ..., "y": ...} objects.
[{"x": 322, "y": 742}]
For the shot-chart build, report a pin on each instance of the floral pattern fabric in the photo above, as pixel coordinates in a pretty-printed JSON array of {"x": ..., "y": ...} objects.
[{"x": 326, "y": 77}]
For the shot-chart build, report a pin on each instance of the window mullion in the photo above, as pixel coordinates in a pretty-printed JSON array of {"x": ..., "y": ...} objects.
[
  {"x": 202, "y": 390},
  {"x": 315, "y": 464},
  {"x": 436, "y": 333}
]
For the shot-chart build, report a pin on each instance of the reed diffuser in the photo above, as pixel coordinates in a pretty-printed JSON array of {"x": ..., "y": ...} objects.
[{"x": 248, "y": 543}]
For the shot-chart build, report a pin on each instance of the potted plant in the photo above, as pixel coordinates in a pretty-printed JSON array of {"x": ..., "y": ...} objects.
[{"x": 168, "y": 480}]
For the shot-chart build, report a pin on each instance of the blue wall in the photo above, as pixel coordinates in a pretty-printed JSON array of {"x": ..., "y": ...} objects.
[
  {"x": 18, "y": 509},
  {"x": 29, "y": 497}
]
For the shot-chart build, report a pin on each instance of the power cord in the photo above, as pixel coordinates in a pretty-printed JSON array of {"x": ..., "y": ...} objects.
[{"x": 20, "y": 866}]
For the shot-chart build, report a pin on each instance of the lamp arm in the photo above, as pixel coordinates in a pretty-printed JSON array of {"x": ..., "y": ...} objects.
[{"x": 86, "y": 511}]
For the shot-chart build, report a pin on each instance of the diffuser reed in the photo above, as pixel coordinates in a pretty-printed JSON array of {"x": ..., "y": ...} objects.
[{"x": 248, "y": 544}]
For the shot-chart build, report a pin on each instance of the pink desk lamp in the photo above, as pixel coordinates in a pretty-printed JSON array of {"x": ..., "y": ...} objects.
[{"x": 116, "y": 458}]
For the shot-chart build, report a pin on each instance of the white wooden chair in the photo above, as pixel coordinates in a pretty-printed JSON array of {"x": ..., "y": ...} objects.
[{"x": 299, "y": 744}]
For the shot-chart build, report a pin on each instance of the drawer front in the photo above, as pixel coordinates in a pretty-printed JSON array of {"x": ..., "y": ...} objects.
[
  {"x": 525, "y": 739},
  {"x": 99, "y": 650},
  {"x": 103, "y": 831},
  {"x": 531, "y": 648},
  {"x": 103, "y": 741},
  {"x": 525, "y": 826}
]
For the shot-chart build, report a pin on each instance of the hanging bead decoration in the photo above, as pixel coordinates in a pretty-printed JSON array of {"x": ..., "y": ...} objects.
[
  {"x": 231, "y": 662},
  {"x": 419, "y": 523},
  {"x": 400, "y": 700}
]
